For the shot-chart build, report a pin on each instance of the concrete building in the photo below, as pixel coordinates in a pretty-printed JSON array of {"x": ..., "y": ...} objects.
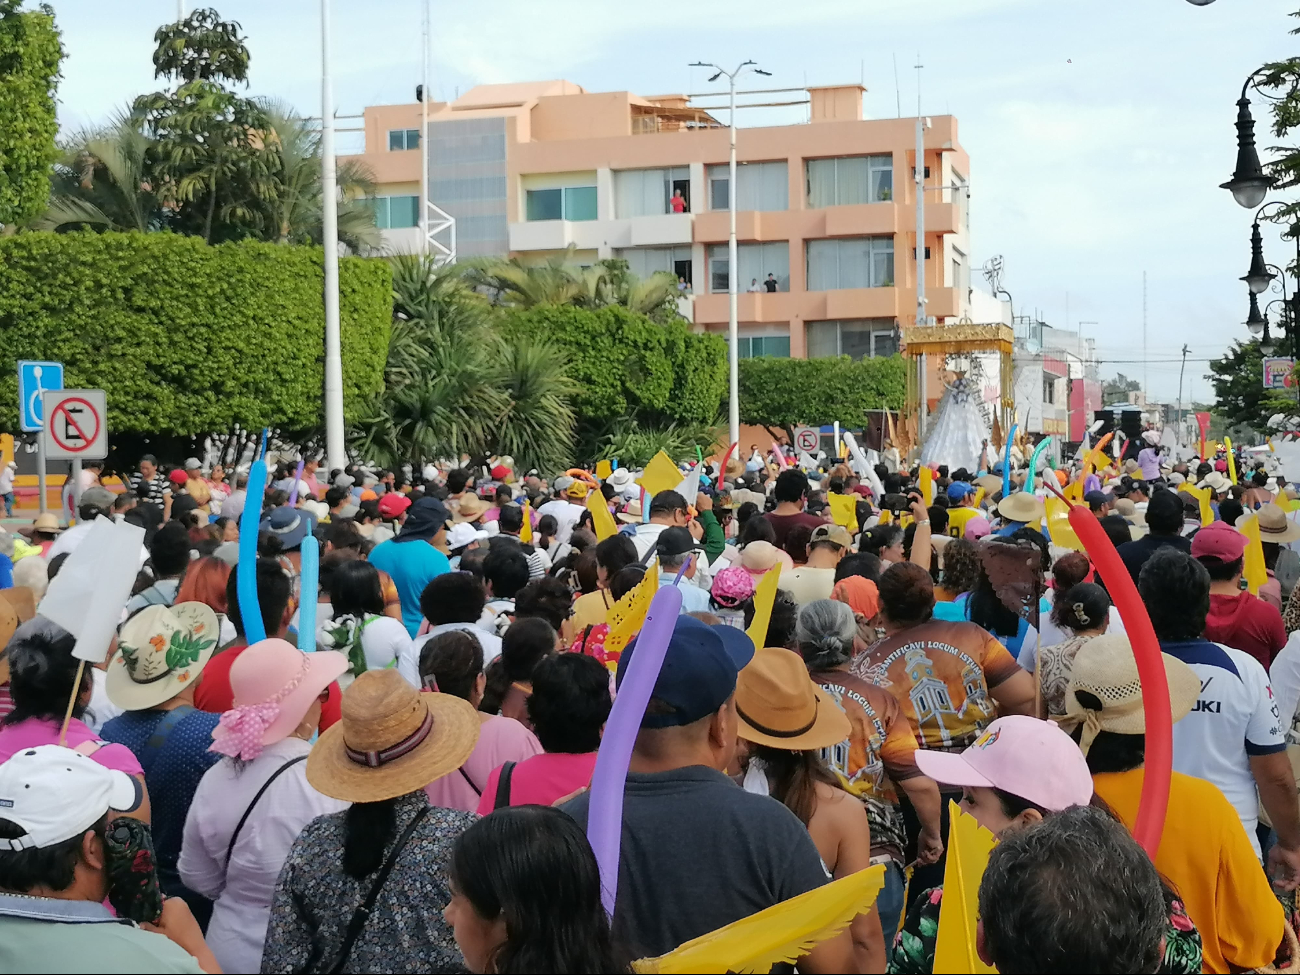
[
  {"x": 826, "y": 209},
  {"x": 1057, "y": 388}
]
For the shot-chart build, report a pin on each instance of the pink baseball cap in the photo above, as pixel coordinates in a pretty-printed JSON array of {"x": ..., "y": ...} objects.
[
  {"x": 1219, "y": 540},
  {"x": 1024, "y": 756},
  {"x": 977, "y": 528}
]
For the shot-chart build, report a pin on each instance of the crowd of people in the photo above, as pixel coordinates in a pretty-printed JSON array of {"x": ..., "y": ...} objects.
[{"x": 409, "y": 791}]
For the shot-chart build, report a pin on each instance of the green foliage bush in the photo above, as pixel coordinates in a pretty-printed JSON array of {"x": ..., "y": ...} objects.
[
  {"x": 785, "y": 392},
  {"x": 185, "y": 337},
  {"x": 30, "y": 52}
]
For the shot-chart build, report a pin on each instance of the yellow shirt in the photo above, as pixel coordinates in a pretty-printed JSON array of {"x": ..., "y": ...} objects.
[
  {"x": 957, "y": 518},
  {"x": 590, "y": 608},
  {"x": 1205, "y": 854}
]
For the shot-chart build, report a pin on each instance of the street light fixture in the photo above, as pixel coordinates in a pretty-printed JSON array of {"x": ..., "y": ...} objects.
[
  {"x": 1255, "y": 321},
  {"x": 1248, "y": 185},
  {"x": 733, "y": 336},
  {"x": 1258, "y": 278}
]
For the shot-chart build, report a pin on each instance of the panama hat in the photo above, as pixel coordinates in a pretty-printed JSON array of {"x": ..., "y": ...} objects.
[
  {"x": 1106, "y": 670},
  {"x": 619, "y": 478},
  {"x": 1275, "y": 526},
  {"x": 1022, "y": 506},
  {"x": 47, "y": 521},
  {"x": 391, "y": 740},
  {"x": 779, "y": 705},
  {"x": 471, "y": 508},
  {"x": 631, "y": 515},
  {"x": 160, "y": 650},
  {"x": 989, "y": 482}
]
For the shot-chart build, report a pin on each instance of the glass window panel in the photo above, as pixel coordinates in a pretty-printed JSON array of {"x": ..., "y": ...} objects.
[
  {"x": 773, "y": 345},
  {"x": 380, "y": 205},
  {"x": 718, "y": 267},
  {"x": 412, "y": 138},
  {"x": 823, "y": 339},
  {"x": 854, "y": 262},
  {"x": 544, "y": 205},
  {"x": 403, "y": 211},
  {"x": 580, "y": 203},
  {"x": 851, "y": 180},
  {"x": 821, "y": 182},
  {"x": 776, "y": 260},
  {"x": 823, "y": 266},
  {"x": 719, "y": 188},
  {"x": 882, "y": 178},
  {"x": 855, "y": 339},
  {"x": 882, "y": 262},
  {"x": 396, "y": 140},
  {"x": 884, "y": 343}
]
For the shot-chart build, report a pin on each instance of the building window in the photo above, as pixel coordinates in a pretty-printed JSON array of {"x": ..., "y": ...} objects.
[
  {"x": 649, "y": 192},
  {"x": 645, "y": 261},
  {"x": 399, "y": 139},
  {"x": 569, "y": 203},
  {"x": 762, "y": 186},
  {"x": 396, "y": 212},
  {"x": 960, "y": 274},
  {"x": 850, "y": 262},
  {"x": 751, "y": 346},
  {"x": 757, "y": 261},
  {"x": 1049, "y": 390},
  {"x": 857, "y": 338},
  {"x": 850, "y": 179}
]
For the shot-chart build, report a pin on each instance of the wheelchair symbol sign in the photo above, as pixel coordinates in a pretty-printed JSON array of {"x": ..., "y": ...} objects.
[{"x": 35, "y": 379}]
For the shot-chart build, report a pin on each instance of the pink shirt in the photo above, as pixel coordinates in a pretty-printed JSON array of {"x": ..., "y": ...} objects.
[
  {"x": 542, "y": 779},
  {"x": 40, "y": 731},
  {"x": 500, "y": 740}
]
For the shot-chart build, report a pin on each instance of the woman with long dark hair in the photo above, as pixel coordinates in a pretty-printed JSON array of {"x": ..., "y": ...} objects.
[
  {"x": 525, "y": 896},
  {"x": 358, "y": 626}
]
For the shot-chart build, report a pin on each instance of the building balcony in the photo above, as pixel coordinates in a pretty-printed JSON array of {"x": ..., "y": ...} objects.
[
  {"x": 780, "y": 306},
  {"x": 686, "y": 307},
  {"x": 653, "y": 231}
]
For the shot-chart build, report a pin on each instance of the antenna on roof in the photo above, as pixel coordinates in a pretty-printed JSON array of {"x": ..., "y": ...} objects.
[{"x": 898, "y": 97}]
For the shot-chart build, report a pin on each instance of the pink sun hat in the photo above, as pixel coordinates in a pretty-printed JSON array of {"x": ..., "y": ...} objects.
[
  {"x": 1024, "y": 756},
  {"x": 273, "y": 685}
]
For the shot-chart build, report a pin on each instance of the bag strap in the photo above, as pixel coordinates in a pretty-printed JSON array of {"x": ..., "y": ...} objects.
[
  {"x": 503, "y": 786},
  {"x": 362, "y": 913},
  {"x": 230, "y": 847},
  {"x": 149, "y": 753},
  {"x": 477, "y": 790}
]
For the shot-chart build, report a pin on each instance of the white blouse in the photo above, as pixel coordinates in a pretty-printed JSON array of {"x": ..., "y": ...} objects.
[{"x": 242, "y": 890}]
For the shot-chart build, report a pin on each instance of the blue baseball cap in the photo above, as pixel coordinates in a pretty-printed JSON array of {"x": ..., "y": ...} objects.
[
  {"x": 958, "y": 490},
  {"x": 699, "y": 671}
]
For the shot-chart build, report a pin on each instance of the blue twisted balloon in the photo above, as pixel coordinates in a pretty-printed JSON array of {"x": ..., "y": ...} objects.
[
  {"x": 308, "y": 586},
  {"x": 1006, "y": 461},
  {"x": 250, "y": 523},
  {"x": 1033, "y": 463}
]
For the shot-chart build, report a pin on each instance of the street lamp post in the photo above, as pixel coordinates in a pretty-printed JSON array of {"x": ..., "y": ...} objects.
[
  {"x": 335, "y": 451},
  {"x": 733, "y": 336},
  {"x": 1248, "y": 185}
]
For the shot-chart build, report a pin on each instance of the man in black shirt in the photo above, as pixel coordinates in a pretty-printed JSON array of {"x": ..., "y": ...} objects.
[
  {"x": 770, "y": 284},
  {"x": 1164, "y": 517}
]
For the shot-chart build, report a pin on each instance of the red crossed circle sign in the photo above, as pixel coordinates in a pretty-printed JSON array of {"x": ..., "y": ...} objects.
[{"x": 74, "y": 429}]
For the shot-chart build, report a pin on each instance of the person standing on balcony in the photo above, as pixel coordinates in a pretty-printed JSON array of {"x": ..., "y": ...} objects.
[
  {"x": 754, "y": 286},
  {"x": 770, "y": 284},
  {"x": 678, "y": 202}
]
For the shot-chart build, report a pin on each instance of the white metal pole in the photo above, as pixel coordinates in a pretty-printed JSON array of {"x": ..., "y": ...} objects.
[
  {"x": 180, "y": 10},
  {"x": 921, "y": 317},
  {"x": 334, "y": 442},
  {"x": 424, "y": 131},
  {"x": 733, "y": 331}
]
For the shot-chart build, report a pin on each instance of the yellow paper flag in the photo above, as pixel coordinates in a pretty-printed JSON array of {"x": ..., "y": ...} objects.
[
  {"x": 844, "y": 510},
  {"x": 778, "y": 934},
  {"x": 1058, "y": 524},
  {"x": 979, "y": 496},
  {"x": 1253, "y": 570},
  {"x": 1203, "y": 496},
  {"x": 1232, "y": 461},
  {"x": 603, "y": 469},
  {"x": 926, "y": 482},
  {"x": 627, "y": 615},
  {"x": 661, "y": 474},
  {"x": 526, "y": 532},
  {"x": 601, "y": 519},
  {"x": 969, "y": 845},
  {"x": 764, "y": 597}
]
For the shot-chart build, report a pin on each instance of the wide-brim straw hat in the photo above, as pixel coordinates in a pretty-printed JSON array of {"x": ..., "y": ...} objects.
[
  {"x": 1275, "y": 526},
  {"x": 284, "y": 680},
  {"x": 991, "y": 483},
  {"x": 47, "y": 521},
  {"x": 391, "y": 740},
  {"x": 471, "y": 508},
  {"x": 160, "y": 651},
  {"x": 631, "y": 515},
  {"x": 1022, "y": 506},
  {"x": 619, "y": 478},
  {"x": 1105, "y": 668},
  {"x": 779, "y": 705}
]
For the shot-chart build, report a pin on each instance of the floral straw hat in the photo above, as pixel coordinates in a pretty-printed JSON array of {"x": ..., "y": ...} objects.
[{"x": 161, "y": 649}]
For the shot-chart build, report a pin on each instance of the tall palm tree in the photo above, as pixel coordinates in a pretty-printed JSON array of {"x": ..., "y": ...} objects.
[
  {"x": 514, "y": 284},
  {"x": 101, "y": 180},
  {"x": 537, "y": 426}
]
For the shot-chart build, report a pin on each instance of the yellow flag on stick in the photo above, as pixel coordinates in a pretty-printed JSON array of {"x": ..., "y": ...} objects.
[
  {"x": 844, "y": 510},
  {"x": 969, "y": 845},
  {"x": 780, "y": 934},
  {"x": 626, "y": 616},
  {"x": 603, "y": 469},
  {"x": 1232, "y": 461},
  {"x": 601, "y": 519},
  {"x": 1058, "y": 524},
  {"x": 526, "y": 532},
  {"x": 764, "y": 597},
  {"x": 1203, "y": 496},
  {"x": 926, "y": 482},
  {"x": 1253, "y": 570},
  {"x": 661, "y": 474}
]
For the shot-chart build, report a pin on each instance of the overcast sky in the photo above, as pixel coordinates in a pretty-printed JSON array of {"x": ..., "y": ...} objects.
[{"x": 1098, "y": 130}]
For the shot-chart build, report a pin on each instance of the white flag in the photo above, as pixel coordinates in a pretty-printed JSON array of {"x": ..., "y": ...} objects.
[{"x": 87, "y": 596}]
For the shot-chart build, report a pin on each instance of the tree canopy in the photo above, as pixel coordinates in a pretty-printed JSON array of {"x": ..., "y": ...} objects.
[
  {"x": 1240, "y": 396},
  {"x": 30, "y": 54}
]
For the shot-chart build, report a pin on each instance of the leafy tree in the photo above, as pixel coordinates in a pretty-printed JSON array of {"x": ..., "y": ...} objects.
[
  {"x": 1240, "y": 396},
  {"x": 1116, "y": 390},
  {"x": 101, "y": 181},
  {"x": 634, "y": 444},
  {"x": 213, "y": 163},
  {"x": 783, "y": 393},
  {"x": 30, "y": 53}
]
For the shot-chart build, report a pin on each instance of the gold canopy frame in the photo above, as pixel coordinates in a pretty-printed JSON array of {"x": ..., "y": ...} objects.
[{"x": 946, "y": 340}]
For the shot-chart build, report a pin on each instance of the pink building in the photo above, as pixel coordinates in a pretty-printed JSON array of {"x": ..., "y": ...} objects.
[{"x": 826, "y": 209}]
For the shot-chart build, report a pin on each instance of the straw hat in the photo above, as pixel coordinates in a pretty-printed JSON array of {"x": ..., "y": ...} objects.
[
  {"x": 759, "y": 556},
  {"x": 631, "y": 515},
  {"x": 1275, "y": 526},
  {"x": 391, "y": 740},
  {"x": 471, "y": 508},
  {"x": 47, "y": 521},
  {"x": 989, "y": 482},
  {"x": 273, "y": 685},
  {"x": 619, "y": 478},
  {"x": 161, "y": 649},
  {"x": 1106, "y": 669},
  {"x": 1216, "y": 482},
  {"x": 1022, "y": 506},
  {"x": 779, "y": 705}
]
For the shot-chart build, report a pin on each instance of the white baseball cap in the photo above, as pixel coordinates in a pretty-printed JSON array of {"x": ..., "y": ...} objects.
[
  {"x": 55, "y": 793},
  {"x": 460, "y": 535}
]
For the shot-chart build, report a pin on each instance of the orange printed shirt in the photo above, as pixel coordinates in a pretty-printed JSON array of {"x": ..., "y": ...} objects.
[{"x": 940, "y": 673}]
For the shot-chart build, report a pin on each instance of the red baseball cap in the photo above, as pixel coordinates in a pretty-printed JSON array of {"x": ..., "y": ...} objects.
[
  {"x": 1219, "y": 540},
  {"x": 178, "y": 476},
  {"x": 393, "y": 505}
]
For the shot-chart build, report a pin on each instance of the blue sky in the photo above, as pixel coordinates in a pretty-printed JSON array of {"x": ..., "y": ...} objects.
[{"x": 1098, "y": 130}]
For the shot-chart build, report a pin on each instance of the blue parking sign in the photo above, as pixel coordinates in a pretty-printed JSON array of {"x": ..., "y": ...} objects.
[{"x": 34, "y": 379}]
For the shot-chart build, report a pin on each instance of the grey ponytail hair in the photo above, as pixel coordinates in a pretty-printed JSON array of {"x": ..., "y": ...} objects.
[{"x": 825, "y": 633}]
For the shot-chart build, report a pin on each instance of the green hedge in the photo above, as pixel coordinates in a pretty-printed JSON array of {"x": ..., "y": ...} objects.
[
  {"x": 185, "y": 337},
  {"x": 786, "y": 392},
  {"x": 626, "y": 365},
  {"x": 30, "y": 54}
]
